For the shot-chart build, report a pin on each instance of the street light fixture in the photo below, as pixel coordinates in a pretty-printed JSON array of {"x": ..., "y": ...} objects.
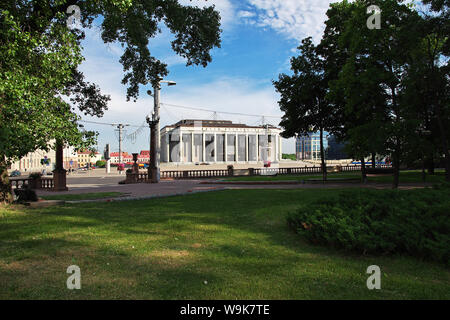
[
  {"x": 155, "y": 140},
  {"x": 169, "y": 83}
]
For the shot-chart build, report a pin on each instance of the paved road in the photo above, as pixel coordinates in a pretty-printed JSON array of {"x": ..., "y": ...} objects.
[
  {"x": 110, "y": 184},
  {"x": 102, "y": 183}
]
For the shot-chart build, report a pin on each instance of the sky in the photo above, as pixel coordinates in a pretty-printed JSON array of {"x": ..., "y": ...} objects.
[{"x": 259, "y": 37}]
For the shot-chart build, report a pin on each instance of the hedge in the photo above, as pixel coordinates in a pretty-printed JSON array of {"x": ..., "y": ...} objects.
[{"x": 413, "y": 222}]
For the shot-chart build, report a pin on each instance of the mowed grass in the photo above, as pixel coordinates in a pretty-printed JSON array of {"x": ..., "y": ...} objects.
[
  {"x": 235, "y": 240},
  {"x": 410, "y": 176},
  {"x": 83, "y": 196}
]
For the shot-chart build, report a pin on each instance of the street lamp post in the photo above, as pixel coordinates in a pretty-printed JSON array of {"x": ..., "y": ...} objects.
[
  {"x": 155, "y": 140},
  {"x": 152, "y": 168}
]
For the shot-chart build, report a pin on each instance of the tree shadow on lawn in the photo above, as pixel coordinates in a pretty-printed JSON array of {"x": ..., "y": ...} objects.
[
  {"x": 237, "y": 241},
  {"x": 115, "y": 276}
]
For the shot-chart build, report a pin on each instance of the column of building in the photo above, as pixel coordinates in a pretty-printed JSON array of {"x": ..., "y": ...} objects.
[
  {"x": 203, "y": 147},
  {"x": 250, "y": 147}
]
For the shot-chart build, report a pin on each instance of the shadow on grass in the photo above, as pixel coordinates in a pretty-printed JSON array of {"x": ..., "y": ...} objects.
[{"x": 221, "y": 245}]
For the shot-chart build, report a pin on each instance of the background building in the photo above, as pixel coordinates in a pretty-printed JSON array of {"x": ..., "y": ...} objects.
[
  {"x": 308, "y": 147},
  {"x": 125, "y": 157},
  {"x": 40, "y": 159},
  {"x": 219, "y": 141},
  {"x": 144, "y": 156},
  {"x": 70, "y": 158},
  {"x": 88, "y": 157},
  {"x": 83, "y": 158}
]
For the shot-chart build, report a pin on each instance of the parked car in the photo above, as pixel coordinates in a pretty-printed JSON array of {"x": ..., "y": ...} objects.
[{"x": 15, "y": 173}]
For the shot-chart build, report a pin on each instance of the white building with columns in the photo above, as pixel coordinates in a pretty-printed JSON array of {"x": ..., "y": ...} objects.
[{"x": 219, "y": 141}]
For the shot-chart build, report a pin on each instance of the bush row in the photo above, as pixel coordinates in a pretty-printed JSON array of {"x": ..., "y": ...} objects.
[{"x": 415, "y": 222}]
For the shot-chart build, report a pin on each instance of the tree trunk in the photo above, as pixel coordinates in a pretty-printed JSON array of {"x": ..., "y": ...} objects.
[
  {"x": 447, "y": 166},
  {"x": 430, "y": 164},
  {"x": 363, "y": 170},
  {"x": 322, "y": 156},
  {"x": 59, "y": 174},
  {"x": 445, "y": 151},
  {"x": 424, "y": 174},
  {"x": 396, "y": 167},
  {"x": 373, "y": 160},
  {"x": 444, "y": 139},
  {"x": 5, "y": 185}
]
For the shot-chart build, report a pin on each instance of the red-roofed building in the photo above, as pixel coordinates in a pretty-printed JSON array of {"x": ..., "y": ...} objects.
[
  {"x": 125, "y": 157},
  {"x": 144, "y": 156}
]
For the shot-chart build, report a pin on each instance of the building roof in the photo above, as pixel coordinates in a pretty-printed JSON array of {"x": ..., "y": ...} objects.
[
  {"x": 87, "y": 152},
  {"x": 116, "y": 154},
  {"x": 215, "y": 124}
]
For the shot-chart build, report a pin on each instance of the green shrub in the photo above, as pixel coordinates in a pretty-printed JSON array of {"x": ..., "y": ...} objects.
[
  {"x": 35, "y": 175},
  {"x": 289, "y": 156},
  {"x": 379, "y": 171},
  {"x": 415, "y": 222},
  {"x": 100, "y": 164}
]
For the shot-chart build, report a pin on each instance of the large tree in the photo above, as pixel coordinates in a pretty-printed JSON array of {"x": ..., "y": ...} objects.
[
  {"x": 358, "y": 126},
  {"x": 373, "y": 77},
  {"x": 427, "y": 84},
  {"x": 303, "y": 97},
  {"x": 40, "y": 56}
]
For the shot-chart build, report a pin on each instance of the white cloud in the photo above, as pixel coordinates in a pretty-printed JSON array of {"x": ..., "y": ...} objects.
[
  {"x": 231, "y": 94},
  {"x": 173, "y": 60},
  {"x": 245, "y": 14},
  {"x": 235, "y": 95},
  {"x": 296, "y": 19}
]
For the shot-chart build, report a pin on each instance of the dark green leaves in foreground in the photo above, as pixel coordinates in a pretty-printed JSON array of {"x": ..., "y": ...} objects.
[{"x": 381, "y": 222}]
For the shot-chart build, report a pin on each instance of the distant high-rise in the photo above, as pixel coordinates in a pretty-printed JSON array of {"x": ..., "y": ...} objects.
[{"x": 308, "y": 147}]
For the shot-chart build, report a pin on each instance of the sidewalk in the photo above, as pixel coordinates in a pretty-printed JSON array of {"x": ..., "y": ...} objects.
[
  {"x": 181, "y": 187},
  {"x": 163, "y": 188}
]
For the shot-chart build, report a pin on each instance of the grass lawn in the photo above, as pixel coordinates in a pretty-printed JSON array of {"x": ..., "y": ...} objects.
[
  {"x": 235, "y": 240},
  {"x": 405, "y": 177},
  {"x": 84, "y": 196}
]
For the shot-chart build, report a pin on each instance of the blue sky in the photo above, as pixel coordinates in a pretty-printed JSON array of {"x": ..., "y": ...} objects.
[{"x": 259, "y": 37}]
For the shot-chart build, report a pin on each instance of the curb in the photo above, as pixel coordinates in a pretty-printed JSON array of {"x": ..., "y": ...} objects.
[
  {"x": 44, "y": 203},
  {"x": 293, "y": 182},
  {"x": 281, "y": 182}
]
